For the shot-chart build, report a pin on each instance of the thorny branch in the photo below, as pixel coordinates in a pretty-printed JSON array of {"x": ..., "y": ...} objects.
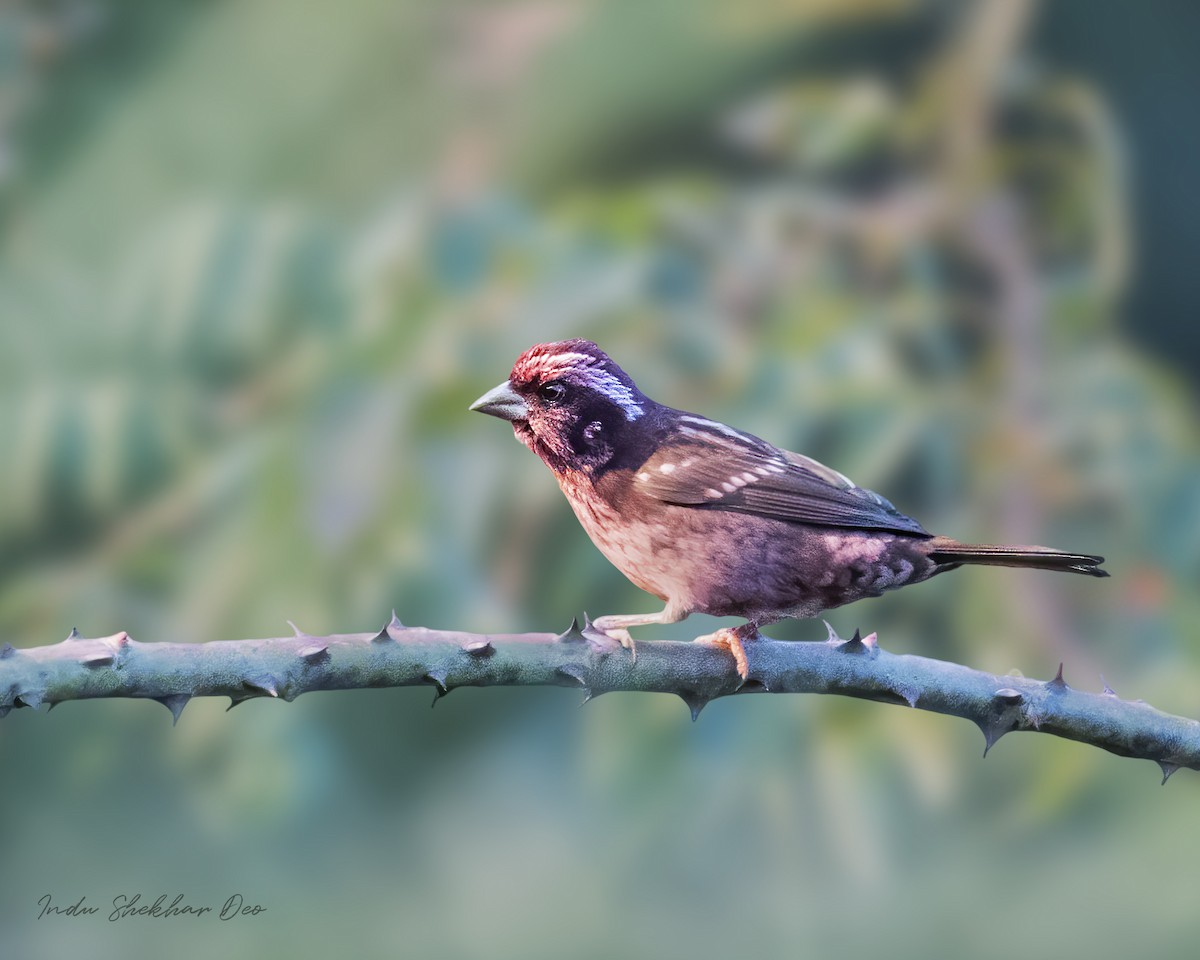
[{"x": 396, "y": 656}]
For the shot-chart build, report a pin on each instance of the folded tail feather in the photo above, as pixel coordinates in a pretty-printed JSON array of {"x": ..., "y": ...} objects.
[{"x": 944, "y": 550}]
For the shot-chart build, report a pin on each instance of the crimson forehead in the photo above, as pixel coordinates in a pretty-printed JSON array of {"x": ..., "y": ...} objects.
[{"x": 591, "y": 370}]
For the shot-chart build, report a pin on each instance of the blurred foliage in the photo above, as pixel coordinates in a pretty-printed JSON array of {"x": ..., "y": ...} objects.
[{"x": 255, "y": 263}]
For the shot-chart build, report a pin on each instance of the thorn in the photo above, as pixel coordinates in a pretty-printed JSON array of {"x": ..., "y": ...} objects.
[
  {"x": 438, "y": 679},
  {"x": 1058, "y": 683},
  {"x": 8, "y": 650},
  {"x": 991, "y": 733},
  {"x": 237, "y": 701},
  {"x": 1009, "y": 695},
  {"x": 265, "y": 683},
  {"x": 602, "y": 641},
  {"x": 96, "y": 659},
  {"x": 909, "y": 694},
  {"x": 1168, "y": 768},
  {"x": 572, "y": 673},
  {"x": 73, "y": 635},
  {"x": 117, "y": 643},
  {"x": 858, "y": 644},
  {"x": 315, "y": 653},
  {"x": 572, "y": 633},
  {"x": 479, "y": 648},
  {"x": 1107, "y": 691},
  {"x": 175, "y": 702},
  {"x": 53, "y": 704},
  {"x": 387, "y": 631},
  {"x": 296, "y": 630},
  {"x": 695, "y": 702},
  {"x": 832, "y": 639},
  {"x": 32, "y": 699},
  {"x": 589, "y": 631}
]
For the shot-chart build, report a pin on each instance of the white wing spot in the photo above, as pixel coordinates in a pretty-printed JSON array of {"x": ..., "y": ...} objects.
[
  {"x": 749, "y": 477},
  {"x": 718, "y": 427},
  {"x": 728, "y": 487},
  {"x": 712, "y": 494},
  {"x": 776, "y": 468},
  {"x": 737, "y": 481},
  {"x": 643, "y": 476},
  {"x": 763, "y": 471},
  {"x": 688, "y": 462},
  {"x": 667, "y": 468}
]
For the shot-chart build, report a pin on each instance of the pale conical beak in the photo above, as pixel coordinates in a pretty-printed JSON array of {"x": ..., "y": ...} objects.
[{"x": 502, "y": 402}]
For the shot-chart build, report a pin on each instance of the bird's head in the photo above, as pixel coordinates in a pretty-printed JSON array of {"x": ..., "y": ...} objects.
[{"x": 568, "y": 402}]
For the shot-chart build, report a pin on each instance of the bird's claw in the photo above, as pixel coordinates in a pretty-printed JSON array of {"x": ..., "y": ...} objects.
[
  {"x": 731, "y": 639},
  {"x": 620, "y": 634}
]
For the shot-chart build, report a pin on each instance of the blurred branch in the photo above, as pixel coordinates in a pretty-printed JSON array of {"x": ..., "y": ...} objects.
[
  {"x": 285, "y": 667},
  {"x": 968, "y": 78}
]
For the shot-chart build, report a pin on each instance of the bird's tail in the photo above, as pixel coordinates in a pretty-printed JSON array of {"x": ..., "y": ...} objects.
[{"x": 943, "y": 550}]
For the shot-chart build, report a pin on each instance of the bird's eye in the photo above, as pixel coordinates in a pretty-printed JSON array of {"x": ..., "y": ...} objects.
[{"x": 552, "y": 392}]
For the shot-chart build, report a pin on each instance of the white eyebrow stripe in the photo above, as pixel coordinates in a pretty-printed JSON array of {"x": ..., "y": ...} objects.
[
  {"x": 604, "y": 382},
  {"x": 590, "y": 370}
]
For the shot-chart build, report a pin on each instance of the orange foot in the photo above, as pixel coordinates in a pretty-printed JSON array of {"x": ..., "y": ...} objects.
[{"x": 733, "y": 640}]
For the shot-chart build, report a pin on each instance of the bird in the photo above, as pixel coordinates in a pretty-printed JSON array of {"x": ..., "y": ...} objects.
[{"x": 711, "y": 519}]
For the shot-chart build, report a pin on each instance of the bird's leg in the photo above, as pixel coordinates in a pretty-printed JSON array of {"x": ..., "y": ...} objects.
[
  {"x": 733, "y": 639},
  {"x": 617, "y": 625}
]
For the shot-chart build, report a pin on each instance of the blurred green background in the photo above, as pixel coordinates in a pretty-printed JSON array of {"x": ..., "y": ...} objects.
[{"x": 257, "y": 258}]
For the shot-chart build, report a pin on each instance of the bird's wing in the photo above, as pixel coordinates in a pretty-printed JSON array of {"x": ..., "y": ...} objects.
[{"x": 712, "y": 466}]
